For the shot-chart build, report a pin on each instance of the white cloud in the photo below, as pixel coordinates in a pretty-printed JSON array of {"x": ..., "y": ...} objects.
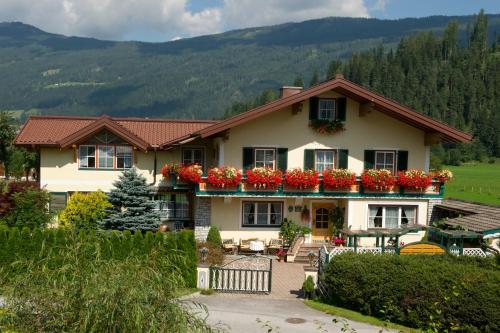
[
  {"x": 118, "y": 19},
  {"x": 379, "y": 5}
]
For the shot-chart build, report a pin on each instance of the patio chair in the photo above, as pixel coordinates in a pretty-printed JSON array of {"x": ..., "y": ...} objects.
[
  {"x": 275, "y": 244},
  {"x": 245, "y": 244},
  {"x": 229, "y": 245}
]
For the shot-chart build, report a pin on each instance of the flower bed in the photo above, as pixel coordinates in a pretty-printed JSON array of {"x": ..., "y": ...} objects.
[
  {"x": 378, "y": 180},
  {"x": 302, "y": 179},
  {"x": 170, "y": 168},
  {"x": 191, "y": 173},
  {"x": 338, "y": 179},
  {"x": 224, "y": 177},
  {"x": 264, "y": 178},
  {"x": 414, "y": 180},
  {"x": 444, "y": 175}
]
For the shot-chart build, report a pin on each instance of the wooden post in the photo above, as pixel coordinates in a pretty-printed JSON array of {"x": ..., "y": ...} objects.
[
  {"x": 355, "y": 244},
  {"x": 383, "y": 243}
]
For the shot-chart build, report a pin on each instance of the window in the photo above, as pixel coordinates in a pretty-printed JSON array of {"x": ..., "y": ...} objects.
[
  {"x": 262, "y": 214},
  {"x": 391, "y": 216},
  {"x": 192, "y": 156},
  {"x": 172, "y": 205},
  {"x": 385, "y": 160},
  {"x": 265, "y": 158},
  {"x": 322, "y": 218},
  {"x": 57, "y": 201},
  {"x": 87, "y": 157},
  {"x": 123, "y": 157},
  {"x": 326, "y": 109},
  {"x": 324, "y": 160},
  {"x": 106, "y": 157}
]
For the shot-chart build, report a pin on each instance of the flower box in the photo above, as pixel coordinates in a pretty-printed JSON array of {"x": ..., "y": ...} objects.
[
  {"x": 191, "y": 173},
  {"x": 224, "y": 178},
  {"x": 380, "y": 180},
  {"x": 263, "y": 179},
  {"x": 339, "y": 180},
  {"x": 289, "y": 188},
  {"x": 443, "y": 176},
  {"x": 298, "y": 179},
  {"x": 414, "y": 180},
  {"x": 352, "y": 188}
]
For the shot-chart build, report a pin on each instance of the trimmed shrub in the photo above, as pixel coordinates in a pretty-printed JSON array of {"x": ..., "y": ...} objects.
[
  {"x": 431, "y": 292},
  {"x": 85, "y": 210},
  {"x": 213, "y": 236}
]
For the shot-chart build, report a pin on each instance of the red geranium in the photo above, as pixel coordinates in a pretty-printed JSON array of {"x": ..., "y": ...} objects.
[
  {"x": 170, "y": 168},
  {"x": 338, "y": 178},
  {"x": 302, "y": 179},
  {"x": 224, "y": 177},
  {"x": 414, "y": 179},
  {"x": 265, "y": 178},
  {"x": 191, "y": 173},
  {"x": 377, "y": 180},
  {"x": 443, "y": 175}
]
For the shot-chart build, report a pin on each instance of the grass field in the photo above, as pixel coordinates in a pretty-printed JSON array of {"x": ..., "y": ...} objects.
[{"x": 478, "y": 182}]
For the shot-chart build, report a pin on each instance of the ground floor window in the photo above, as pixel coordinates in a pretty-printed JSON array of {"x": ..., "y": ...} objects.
[
  {"x": 391, "y": 216},
  {"x": 172, "y": 205},
  {"x": 262, "y": 214}
]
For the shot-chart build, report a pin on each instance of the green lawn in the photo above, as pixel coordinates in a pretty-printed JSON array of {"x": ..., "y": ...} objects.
[
  {"x": 356, "y": 316},
  {"x": 478, "y": 182}
]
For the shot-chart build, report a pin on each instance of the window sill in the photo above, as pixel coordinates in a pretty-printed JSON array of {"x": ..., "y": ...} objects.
[
  {"x": 258, "y": 226},
  {"x": 102, "y": 169}
]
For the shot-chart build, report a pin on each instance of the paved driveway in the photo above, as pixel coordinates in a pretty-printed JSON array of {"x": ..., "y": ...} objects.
[{"x": 240, "y": 313}]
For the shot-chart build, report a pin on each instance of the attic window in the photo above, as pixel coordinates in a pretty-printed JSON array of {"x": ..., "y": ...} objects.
[{"x": 326, "y": 109}]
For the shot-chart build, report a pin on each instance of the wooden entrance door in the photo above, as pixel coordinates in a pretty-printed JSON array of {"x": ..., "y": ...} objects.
[{"x": 322, "y": 227}]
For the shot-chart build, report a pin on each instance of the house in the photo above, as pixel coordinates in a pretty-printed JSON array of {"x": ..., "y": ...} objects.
[{"x": 369, "y": 132}]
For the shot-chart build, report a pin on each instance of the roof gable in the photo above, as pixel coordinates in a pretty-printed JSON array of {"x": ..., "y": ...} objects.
[{"x": 355, "y": 92}]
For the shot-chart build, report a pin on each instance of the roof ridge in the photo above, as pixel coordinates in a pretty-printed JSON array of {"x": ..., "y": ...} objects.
[{"x": 125, "y": 119}]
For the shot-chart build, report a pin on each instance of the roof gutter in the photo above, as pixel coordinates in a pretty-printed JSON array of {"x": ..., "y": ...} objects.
[{"x": 155, "y": 163}]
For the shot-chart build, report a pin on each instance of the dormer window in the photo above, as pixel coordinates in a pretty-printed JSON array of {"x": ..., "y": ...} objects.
[
  {"x": 326, "y": 109},
  {"x": 105, "y": 157}
]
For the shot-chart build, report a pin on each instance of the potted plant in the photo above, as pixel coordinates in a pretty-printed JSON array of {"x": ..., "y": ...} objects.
[
  {"x": 281, "y": 254},
  {"x": 324, "y": 126},
  {"x": 378, "y": 180},
  {"x": 444, "y": 175},
  {"x": 191, "y": 173},
  {"x": 302, "y": 179},
  {"x": 338, "y": 179},
  {"x": 224, "y": 177},
  {"x": 308, "y": 287},
  {"x": 339, "y": 241},
  {"x": 170, "y": 169},
  {"x": 264, "y": 178},
  {"x": 413, "y": 179}
]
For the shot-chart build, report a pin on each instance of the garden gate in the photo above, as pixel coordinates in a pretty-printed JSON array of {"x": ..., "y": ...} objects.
[{"x": 251, "y": 274}]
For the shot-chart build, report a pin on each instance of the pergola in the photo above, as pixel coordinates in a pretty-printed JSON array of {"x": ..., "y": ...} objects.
[
  {"x": 380, "y": 235},
  {"x": 452, "y": 238}
]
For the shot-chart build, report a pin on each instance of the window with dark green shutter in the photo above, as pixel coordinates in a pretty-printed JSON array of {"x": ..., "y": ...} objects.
[
  {"x": 341, "y": 108},
  {"x": 313, "y": 108},
  {"x": 248, "y": 158},
  {"x": 369, "y": 159},
  {"x": 282, "y": 159},
  {"x": 402, "y": 160},
  {"x": 308, "y": 159},
  {"x": 342, "y": 157}
]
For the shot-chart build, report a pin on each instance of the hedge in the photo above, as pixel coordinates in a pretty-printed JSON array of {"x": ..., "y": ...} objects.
[
  {"x": 432, "y": 292},
  {"x": 115, "y": 245}
]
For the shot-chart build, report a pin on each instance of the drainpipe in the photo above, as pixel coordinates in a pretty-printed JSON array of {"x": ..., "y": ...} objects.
[{"x": 154, "y": 165}]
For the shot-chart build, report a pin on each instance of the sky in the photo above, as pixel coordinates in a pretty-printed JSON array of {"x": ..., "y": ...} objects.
[{"x": 164, "y": 20}]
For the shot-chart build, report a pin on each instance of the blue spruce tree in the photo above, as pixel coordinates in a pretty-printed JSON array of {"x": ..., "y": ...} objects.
[{"x": 132, "y": 208}]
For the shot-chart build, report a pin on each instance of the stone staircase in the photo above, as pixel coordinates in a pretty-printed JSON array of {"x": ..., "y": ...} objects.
[{"x": 304, "y": 250}]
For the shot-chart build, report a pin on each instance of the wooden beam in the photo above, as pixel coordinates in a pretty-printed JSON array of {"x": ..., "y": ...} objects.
[
  {"x": 296, "y": 108},
  {"x": 432, "y": 138},
  {"x": 365, "y": 108}
]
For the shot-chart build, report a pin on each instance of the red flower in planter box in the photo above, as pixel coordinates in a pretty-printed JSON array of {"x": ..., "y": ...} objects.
[
  {"x": 191, "y": 173},
  {"x": 170, "y": 168},
  {"x": 302, "y": 179},
  {"x": 224, "y": 177},
  {"x": 414, "y": 179},
  {"x": 377, "y": 180},
  {"x": 443, "y": 175},
  {"x": 264, "y": 178},
  {"x": 338, "y": 241},
  {"x": 338, "y": 178}
]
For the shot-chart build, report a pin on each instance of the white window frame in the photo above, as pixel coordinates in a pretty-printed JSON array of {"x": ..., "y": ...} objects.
[
  {"x": 131, "y": 157},
  {"x": 334, "y": 158},
  {"x": 256, "y": 203},
  {"x": 87, "y": 156},
  {"x": 264, "y": 161},
  {"x": 113, "y": 157},
  {"x": 384, "y": 164},
  {"x": 400, "y": 212},
  {"x": 330, "y": 114},
  {"x": 191, "y": 160}
]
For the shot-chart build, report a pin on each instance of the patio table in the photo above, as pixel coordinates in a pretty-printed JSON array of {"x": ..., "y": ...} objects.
[{"x": 257, "y": 246}]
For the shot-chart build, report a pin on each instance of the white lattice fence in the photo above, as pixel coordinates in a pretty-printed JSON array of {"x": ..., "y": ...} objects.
[{"x": 474, "y": 251}]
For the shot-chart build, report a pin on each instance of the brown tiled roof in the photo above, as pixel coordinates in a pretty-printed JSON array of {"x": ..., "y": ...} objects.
[
  {"x": 54, "y": 130},
  {"x": 353, "y": 91},
  {"x": 473, "y": 216}
]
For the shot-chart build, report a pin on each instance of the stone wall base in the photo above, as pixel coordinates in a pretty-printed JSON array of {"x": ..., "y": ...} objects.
[{"x": 431, "y": 211}]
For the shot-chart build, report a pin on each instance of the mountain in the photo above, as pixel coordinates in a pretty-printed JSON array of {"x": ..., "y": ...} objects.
[{"x": 44, "y": 73}]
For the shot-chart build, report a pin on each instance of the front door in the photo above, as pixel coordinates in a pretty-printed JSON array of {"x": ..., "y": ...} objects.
[{"x": 322, "y": 228}]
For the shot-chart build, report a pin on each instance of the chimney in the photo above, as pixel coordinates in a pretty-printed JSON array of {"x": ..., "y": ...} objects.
[{"x": 289, "y": 91}]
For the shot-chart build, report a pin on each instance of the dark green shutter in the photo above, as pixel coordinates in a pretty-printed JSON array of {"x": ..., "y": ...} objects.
[
  {"x": 342, "y": 156},
  {"x": 248, "y": 161},
  {"x": 369, "y": 159},
  {"x": 341, "y": 108},
  {"x": 313, "y": 108},
  {"x": 402, "y": 160},
  {"x": 282, "y": 159},
  {"x": 308, "y": 159}
]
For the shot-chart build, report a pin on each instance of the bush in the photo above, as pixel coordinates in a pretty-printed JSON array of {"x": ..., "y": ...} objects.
[
  {"x": 308, "y": 286},
  {"x": 29, "y": 209},
  {"x": 84, "y": 211},
  {"x": 290, "y": 230},
  {"x": 433, "y": 292},
  {"x": 91, "y": 293},
  {"x": 213, "y": 236}
]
